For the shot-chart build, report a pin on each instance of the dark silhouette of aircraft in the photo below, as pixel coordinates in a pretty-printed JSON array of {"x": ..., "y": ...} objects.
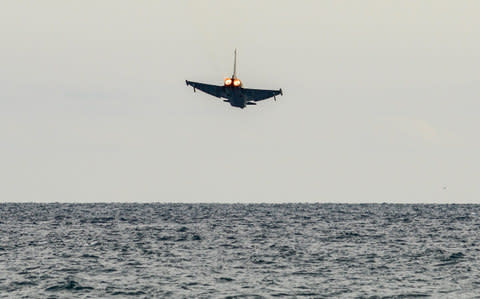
[{"x": 233, "y": 91}]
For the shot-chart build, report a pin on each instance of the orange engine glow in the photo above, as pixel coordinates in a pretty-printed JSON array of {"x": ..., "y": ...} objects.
[
  {"x": 236, "y": 82},
  {"x": 228, "y": 82}
]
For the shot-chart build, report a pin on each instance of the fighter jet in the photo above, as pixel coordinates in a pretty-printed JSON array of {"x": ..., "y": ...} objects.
[{"x": 233, "y": 91}]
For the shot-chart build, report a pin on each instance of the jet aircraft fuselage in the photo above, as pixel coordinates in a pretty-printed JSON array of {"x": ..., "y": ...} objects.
[
  {"x": 235, "y": 96},
  {"x": 233, "y": 91}
]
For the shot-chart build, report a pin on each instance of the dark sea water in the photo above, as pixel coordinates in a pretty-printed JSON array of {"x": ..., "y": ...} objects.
[{"x": 239, "y": 251}]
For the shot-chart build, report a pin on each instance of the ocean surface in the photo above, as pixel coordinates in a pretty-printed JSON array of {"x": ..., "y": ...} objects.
[{"x": 239, "y": 251}]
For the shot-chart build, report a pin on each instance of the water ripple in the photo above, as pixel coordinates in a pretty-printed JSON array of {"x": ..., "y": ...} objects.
[{"x": 239, "y": 251}]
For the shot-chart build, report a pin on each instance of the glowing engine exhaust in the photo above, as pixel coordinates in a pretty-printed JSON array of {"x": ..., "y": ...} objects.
[{"x": 229, "y": 81}]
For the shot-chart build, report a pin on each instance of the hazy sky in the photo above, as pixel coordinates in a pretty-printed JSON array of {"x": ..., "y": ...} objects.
[{"x": 381, "y": 101}]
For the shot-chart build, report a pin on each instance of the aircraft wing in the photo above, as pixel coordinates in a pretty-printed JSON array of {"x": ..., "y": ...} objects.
[
  {"x": 260, "y": 94},
  {"x": 213, "y": 90}
]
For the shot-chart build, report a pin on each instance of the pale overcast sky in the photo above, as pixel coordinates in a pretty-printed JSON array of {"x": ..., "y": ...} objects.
[{"x": 381, "y": 101}]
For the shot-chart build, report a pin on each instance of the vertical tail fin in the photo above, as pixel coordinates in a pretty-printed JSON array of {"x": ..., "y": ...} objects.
[{"x": 235, "y": 64}]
